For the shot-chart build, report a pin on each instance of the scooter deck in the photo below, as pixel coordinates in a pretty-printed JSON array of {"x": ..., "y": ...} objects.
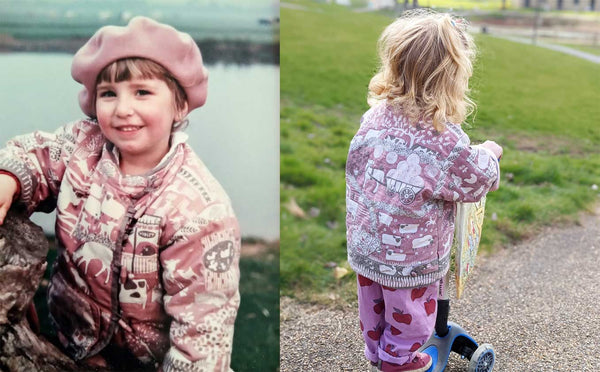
[{"x": 439, "y": 348}]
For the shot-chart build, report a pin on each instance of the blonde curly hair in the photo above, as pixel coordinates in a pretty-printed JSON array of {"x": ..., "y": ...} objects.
[{"x": 426, "y": 62}]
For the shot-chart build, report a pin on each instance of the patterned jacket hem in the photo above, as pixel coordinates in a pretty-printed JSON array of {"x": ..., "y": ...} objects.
[{"x": 405, "y": 282}]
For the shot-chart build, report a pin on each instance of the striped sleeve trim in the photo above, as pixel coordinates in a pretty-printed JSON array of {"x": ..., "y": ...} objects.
[{"x": 26, "y": 178}]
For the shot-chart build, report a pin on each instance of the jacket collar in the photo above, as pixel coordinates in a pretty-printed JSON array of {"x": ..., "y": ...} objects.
[{"x": 136, "y": 186}]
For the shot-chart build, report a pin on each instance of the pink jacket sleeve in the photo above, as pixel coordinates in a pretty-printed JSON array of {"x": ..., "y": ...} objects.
[
  {"x": 201, "y": 278},
  {"x": 39, "y": 161},
  {"x": 470, "y": 172}
]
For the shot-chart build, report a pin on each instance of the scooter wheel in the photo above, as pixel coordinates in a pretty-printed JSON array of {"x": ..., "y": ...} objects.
[{"x": 482, "y": 359}]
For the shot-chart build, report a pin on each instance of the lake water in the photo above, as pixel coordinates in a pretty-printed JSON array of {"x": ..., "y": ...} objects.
[
  {"x": 248, "y": 20},
  {"x": 236, "y": 133}
]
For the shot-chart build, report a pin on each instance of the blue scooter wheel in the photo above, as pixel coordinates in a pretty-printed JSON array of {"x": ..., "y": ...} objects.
[{"x": 482, "y": 359}]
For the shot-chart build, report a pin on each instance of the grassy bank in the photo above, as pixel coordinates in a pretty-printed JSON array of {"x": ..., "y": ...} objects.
[
  {"x": 541, "y": 105},
  {"x": 256, "y": 337}
]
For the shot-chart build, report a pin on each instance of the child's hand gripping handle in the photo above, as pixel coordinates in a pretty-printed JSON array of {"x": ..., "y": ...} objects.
[
  {"x": 8, "y": 190},
  {"x": 494, "y": 148}
]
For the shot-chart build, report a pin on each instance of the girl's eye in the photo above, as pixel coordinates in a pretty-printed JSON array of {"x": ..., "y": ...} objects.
[
  {"x": 143, "y": 92},
  {"x": 107, "y": 93}
]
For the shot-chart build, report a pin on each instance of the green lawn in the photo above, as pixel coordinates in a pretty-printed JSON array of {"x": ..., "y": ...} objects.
[
  {"x": 542, "y": 106},
  {"x": 256, "y": 337}
]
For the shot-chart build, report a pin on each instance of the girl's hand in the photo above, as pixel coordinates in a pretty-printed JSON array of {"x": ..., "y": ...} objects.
[
  {"x": 493, "y": 147},
  {"x": 8, "y": 189}
]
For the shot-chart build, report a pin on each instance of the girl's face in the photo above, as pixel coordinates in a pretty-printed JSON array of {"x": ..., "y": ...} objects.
[{"x": 136, "y": 115}]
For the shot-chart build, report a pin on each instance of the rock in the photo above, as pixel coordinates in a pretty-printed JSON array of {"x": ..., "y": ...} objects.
[
  {"x": 314, "y": 212},
  {"x": 23, "y": 249},
  {"x": 332, "y": 224},
  {"x": 21, "y": 350}
]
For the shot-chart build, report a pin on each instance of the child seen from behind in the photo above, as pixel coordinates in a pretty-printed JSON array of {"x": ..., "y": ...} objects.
[
  {"x": 408, "y": 165},
  {"x": 146, "y": 276}
]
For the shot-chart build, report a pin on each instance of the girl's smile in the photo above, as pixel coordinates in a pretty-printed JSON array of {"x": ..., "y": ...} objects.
[
  {"x": 137, "y": 115},
  {"x": 128, "y": 128}
]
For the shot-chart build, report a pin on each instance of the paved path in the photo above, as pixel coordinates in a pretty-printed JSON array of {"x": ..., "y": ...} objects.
[
  {"x": 559, "y": 48},
  {"x": 537, "y": 303}
]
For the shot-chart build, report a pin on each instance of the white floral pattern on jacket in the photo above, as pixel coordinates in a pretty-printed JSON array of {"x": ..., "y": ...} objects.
[{"x": 149, "y": 262}]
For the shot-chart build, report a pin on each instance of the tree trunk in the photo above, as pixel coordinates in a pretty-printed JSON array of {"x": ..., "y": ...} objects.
[{"x": 23, "y": 250}]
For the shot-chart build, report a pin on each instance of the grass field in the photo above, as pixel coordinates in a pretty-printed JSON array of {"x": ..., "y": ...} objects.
[
  {"x": 256, "y": 335},
  {"x": 542, "y": 106}
]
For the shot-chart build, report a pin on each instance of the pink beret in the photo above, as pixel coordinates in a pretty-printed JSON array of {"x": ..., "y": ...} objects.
[{"x": 142, "y": 37}]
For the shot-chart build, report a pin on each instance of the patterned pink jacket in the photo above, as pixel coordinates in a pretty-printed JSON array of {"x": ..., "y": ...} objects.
[
  {"x": 149, "y": 263},
  {"x": 402, "y": 182}
]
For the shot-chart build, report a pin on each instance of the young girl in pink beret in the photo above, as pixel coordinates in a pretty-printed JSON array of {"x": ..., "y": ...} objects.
[
  {"x": 147, "y": 270},
  {"x": 408, "y": 165}
]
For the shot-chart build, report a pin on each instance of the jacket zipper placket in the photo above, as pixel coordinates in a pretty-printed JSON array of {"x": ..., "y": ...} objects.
[{"x": 126, "y": 228}]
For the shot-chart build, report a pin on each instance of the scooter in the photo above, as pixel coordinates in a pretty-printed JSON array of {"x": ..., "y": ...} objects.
[{"x": 449, "y": 336}]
